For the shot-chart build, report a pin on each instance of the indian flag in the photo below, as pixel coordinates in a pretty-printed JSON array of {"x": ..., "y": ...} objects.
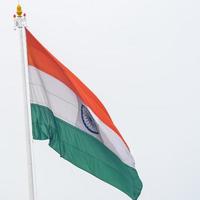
[{"x": 67, "y": 113}]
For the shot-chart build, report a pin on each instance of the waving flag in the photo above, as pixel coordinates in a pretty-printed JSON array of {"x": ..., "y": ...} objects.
[{"x": 76, "y": 123}]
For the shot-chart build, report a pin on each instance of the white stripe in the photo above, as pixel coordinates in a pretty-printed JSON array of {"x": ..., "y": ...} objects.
[
  {"x": 48, "y": 91},
  {"x": 59, "y": 98}
]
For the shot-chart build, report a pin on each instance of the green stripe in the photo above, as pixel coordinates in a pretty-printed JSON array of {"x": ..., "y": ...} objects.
[{"x": 84, "y": 151}]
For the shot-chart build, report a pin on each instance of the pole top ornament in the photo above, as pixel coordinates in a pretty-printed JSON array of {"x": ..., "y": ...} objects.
[
  {"x": 19, "y": 17},
  {"x": 19, "y": 10}
]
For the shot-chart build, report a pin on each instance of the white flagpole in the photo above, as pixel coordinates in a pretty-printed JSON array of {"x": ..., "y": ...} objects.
[{"x": 20, "y": 24}]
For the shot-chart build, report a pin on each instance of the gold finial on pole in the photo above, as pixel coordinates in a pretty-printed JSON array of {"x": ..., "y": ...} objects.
[
  {"x": 19, "y": 17},
  {"x": 19, "y": 10}
]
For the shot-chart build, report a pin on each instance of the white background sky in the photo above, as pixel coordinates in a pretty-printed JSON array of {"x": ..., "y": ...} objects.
[{"x": 141, "y": 58}]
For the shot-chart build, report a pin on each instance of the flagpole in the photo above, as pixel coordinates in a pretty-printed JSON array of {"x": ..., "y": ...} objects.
[{"x": 20, "y": 24}]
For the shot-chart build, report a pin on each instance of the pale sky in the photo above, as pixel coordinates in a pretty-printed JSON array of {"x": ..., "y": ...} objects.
[{"x": 141, "y": 58}]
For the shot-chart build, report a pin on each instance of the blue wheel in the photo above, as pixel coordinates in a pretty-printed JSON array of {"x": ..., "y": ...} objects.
[{"x": 88, "y": 120}]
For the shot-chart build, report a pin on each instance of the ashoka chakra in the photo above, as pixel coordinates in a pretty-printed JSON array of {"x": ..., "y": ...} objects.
[{"x": 88, "y": 120}]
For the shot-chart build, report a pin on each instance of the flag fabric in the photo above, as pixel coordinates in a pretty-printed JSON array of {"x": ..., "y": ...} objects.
[{"x": 76, "y": 123}]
